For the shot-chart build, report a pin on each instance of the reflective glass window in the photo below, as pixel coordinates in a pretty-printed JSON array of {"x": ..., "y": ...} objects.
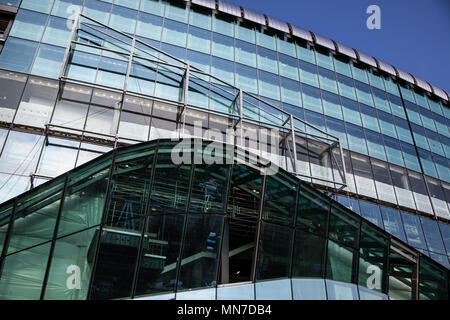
[
  {"x": 97, "y": 10},
  {"x": 404, "y": 134},
  {"x": 369, "y": 118},
  {"x": 48, "y": 61},
  {"x": 327, "y": 80},
  {"x": 397, "y": 106},
  {"x": 280, "y": 199},
  {"x": 331, "y": 105},
  {"x": 371, "y": 212},
  {"x": 375, "y": 144},
  {"x": 346, "y": 87},
  {"x": 245, "y": 34},
  {"x": 13, "y": 85},
  {"x": 223, "y": 46},
  {"x": 309, "y": 255},
  {"x": 245, "y": 53},
  {"x": 359, "y": 74},
  {"x": 410, "y": 156},
  {"x": 18, "y": 54},
  {"x": 66, "y": 8},
  {"x": 265, "y": 40},
  {"x": 269, "y": 85},
  {"x": 433, "y": 281},
  {"x": 387, "y": 124},
  {"x": 305, "y": 54},
  {"x": 364, "y": 94},
  {"x": 14, "y": 285},
  {"x": 246, "y": 78},
  {"x": 149, "y": 26},
  {"x": 40, "y": 6},
  {"x": 311, "y": 98},
  {"x": 274, "y": 254},
  {"x": 286, "y": 47},
  {"x": 20, "y": 153},
  {"x": 273, "y": 290},
  {"x": 308, "y": 289},
  {"x": 37, "y": 102},
  {"x": 432, "y": 235},
  {"x": 71, "y": 256},
  {"x": 57, "y": 32},
  {"x": 123, "y": 19},
  {"x": 342, "y": 67},
  {"x": 351, "y": 111},
  {"x": 381, "y": 101},
  {"x": 199, "y": 39},
  {"x": 174, "y": 33},
  {"x": 153, "y": 6},
  {"x": 393, "y": 222},
  {"x": 237, "y": 292},
  {"x": 290, "y": 92},
  {"x": 373, "y": 258},
  {"x": 267, "y": 60},
  {"x": 324, "y": 59},
  {"x": 413, "y": 230},
  {"x": 28, "y": 25},
  {"x": 308, "y": 74},
  {"x": 178, "y": 13},
  {"x": 356, "y": 139}
]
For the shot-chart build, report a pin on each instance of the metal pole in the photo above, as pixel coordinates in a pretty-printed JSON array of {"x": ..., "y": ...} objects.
[
  {"x": 69, "y": 46},
  {"x": 294, "y": 144}
]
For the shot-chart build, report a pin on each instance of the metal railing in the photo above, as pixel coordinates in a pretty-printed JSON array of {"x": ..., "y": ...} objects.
[{"x": 91, "y": 36}]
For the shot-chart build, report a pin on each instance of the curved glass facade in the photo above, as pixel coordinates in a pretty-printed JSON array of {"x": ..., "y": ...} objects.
[
  {"x": 129, "y": 72},
  {"x": 133, "y": 224}
]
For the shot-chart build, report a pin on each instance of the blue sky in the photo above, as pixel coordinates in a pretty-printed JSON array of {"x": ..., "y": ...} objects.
[{"x": 414, "y": 34}]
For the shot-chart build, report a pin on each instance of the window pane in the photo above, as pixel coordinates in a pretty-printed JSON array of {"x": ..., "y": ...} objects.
[
  {"x": 12, "y": 85},
  {"x": 269, "y": 85},
  {"x": 413, "y": 230},
  {"x": 267, "y": 60},
  {"x": 202, "y": 240},
  {"x": 20, "y": 153},
  {"x": 117, "y": 258},
  {"x": 48, "y": 61},
  {"x": 238, "y": 292},
  {"x": 37, "y": 102},
  {"x": 57, "y": 32},
  {"x": 279, "y": 199},
  {"x": 84, "y": 199},
  {"x": 432, "y": 235},
  {"x": 393, "y": 222},
  {"x": 245, "y": 53},
  {"x": 311, "y": 98},
  {"x": 309, "y": 255},
  {"x": 223, "y": 46},
  {"x": 28, "y": 25},
  {"x": 371, "y": 212},
  {"x": 149, "y": 26},
  {"x": 97, "y": 10},
  {"x": 341, "y": 291},
  {"x": 162, "y": 242},
  {"x": 174, "y": 33},
  {"x": 274, "y": 252},
  {"x": 18, "y": 54},
  {"x": 246, "y": 78},
  {"x": 324, "y": 59},
  {"x": 341, "y": 262},
  {"x": 308, "y": 74},
  {"x": 123, "y": 19},
  {"x": 23, "y": 274},
  {"x": 327, "y": 80},
  {"x": 71, "y": 257},
  {"x": 199, "y": 39},
  {"x": 66, "y": 8},
  {"x": 433, "y": 284}
]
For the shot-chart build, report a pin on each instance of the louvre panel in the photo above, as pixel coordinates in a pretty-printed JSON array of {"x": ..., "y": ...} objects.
[
  {"x": 205, "y": 3},
  {"x": 301, "y": 33},
  {"x": 324, "y": 42},
  {"x": 405, "y": 76},
  {"x": 386, "y": 67},
  {"x": 422, "y": 84},
  {"x": 349, "y": 52},
  {"x": 278, "y": 24},
  {"x": 366, "y": 59},
  {"x": 440, "y": 93},
  {"x": 229, "y": 8},
  {"x": 254, "y": 16}
]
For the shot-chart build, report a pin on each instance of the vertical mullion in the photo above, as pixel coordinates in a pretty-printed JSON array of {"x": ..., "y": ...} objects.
[
  {"x": 102, "y": 222},
  {"x": 185, "y": 222},
  {"x": 7, "y": 236},
  {"x": 258, "y": 232},
  {"x": 146, "y": 220},
  {"x": 55, "y": 234}
]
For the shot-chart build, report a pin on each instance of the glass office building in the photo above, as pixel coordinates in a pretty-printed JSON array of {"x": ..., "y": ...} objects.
[{"x": 90, "y": 91}]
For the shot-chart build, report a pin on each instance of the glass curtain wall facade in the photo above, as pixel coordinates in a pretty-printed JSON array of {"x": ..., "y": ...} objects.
[
  {"x": 393, "y": 128},
  {"x": 132, "y": 224}
]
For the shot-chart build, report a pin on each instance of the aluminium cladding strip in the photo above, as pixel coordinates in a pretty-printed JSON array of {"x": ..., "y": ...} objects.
[{"x": 276, "y": 24}]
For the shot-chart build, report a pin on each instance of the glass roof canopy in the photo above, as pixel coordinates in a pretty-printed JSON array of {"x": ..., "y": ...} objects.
[
  {"x": 136, "y": 68},
  {"x": 137, "y": 222}
]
